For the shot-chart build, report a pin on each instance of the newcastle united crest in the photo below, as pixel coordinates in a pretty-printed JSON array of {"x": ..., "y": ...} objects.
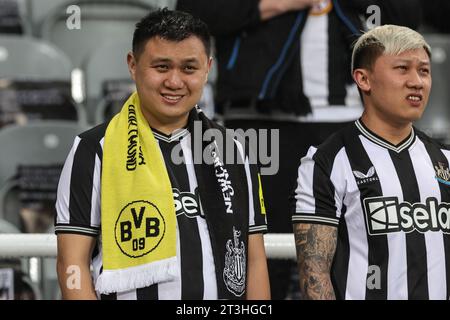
[{"x": 234, "y": 273}]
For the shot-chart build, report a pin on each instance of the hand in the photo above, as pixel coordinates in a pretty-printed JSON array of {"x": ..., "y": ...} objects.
[
  {"x": 272, "y": 8},
  {"x": 292, "y": 5}
]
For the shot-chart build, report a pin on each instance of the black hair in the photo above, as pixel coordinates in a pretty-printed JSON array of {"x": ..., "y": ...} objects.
[
  {"x": 365, "y": 56},
  {"x": 170, "y": 25}
]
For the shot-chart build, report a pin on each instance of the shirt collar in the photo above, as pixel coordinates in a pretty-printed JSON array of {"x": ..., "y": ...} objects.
[
  {"x": 405, "y": 144},
  {"x": 174, "y": 136}
]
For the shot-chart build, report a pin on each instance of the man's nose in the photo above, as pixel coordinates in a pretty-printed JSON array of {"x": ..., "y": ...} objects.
[
  {"x": 174, "y": 80},
  {"x": 415, "y": 80}
]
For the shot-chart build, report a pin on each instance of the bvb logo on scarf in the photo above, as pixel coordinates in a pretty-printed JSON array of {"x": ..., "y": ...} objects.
[{"x": 139, "y": 228}]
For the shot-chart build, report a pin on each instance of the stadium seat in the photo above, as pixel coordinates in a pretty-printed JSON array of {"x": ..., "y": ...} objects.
[
  {"x": 27, "y": 289},
  {"x": 28, "y": 200},
  {"x": 436, "y": 119},
  {"x": 14, "y": 18},
  {"x": 31, "y": 173},
  {"x": 24, "y": 101},
  {"x": 36, "y": 144},
  {"x": 107, "y": 62},
  {"x": 12, "y": 220},
  {"x": 40, "y": 143},
  {"x": 7, "y": 227},
  {"x": 100, "y": 21},
  {"x": 115, "y": 93},
  {"x": 106, "y": 73},
  {"x": 10, "y": 205},
  {"x": 31, "y": 72},
  {"x": 27, "y": 58},
  {"x": 38, "y": 10}
]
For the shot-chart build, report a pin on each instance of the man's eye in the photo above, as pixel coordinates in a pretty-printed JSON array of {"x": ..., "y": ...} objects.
[
  {"x": 162, "y": 67},
  {"x": 425, "y": 71},
  {"x": 190, "y": 68},
  {"x": 402, "y": 67}
]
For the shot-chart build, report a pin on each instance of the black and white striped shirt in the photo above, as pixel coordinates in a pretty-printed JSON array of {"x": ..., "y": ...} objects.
[
  {"x": 78, "y": 211},
  {"x": 391, "y": 204},
  {"x": 325, "y": 61}
]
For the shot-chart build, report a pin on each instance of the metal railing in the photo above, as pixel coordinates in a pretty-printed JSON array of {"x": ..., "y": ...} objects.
[{"x": 278, "y": 245}]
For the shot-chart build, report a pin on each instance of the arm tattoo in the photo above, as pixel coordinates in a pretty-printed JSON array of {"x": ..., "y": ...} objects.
[{"x": 316, "y": 245}]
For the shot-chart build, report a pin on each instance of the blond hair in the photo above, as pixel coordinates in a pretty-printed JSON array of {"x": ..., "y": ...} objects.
[{"x": 387, "y": 39}]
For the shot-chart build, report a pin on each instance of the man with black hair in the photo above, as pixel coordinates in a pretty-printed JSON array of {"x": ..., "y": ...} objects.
[{"x": 153, "y": 205}]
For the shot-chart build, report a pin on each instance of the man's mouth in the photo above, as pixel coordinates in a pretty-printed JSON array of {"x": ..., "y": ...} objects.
[
  {"x": 171, "y": 97},
  {"x": 414, "y": 97}
]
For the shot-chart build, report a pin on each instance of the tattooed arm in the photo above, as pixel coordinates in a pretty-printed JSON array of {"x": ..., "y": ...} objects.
[{"x": 316, "y": 245}]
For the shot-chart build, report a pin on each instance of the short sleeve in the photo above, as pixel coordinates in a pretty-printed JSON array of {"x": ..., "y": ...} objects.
[
  {"x": 257, "y": 215},
  {"x": 78, "y": 196},
  {"x": 315, "y": 198}
]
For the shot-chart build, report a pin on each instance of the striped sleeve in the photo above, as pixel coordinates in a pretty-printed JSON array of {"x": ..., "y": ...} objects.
[
  {"x": 78, "y": 197},
  {"x": 257, "y": 213},
  {"x": 315, "y": 198},
  {"x": 257, "y": 217}
]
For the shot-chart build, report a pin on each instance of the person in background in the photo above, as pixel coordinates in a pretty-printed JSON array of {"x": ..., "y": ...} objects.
[
  {"x": 371, "y": 203},
  {"x": 283, "y": 64}
]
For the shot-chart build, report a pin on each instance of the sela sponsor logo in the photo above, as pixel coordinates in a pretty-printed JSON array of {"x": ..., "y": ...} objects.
[
  {"x": 387, "y": 215},
  {"x": 139, "y": 228},
  {"x": 362, "y": 178},
  {"x": 442, "y": 173},
  {"x": 234, "y": 272},
  {"x": 187, "y": 203}
]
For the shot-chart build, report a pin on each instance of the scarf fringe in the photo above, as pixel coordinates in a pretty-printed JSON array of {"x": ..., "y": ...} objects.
[{"x": 142, "y": 276}]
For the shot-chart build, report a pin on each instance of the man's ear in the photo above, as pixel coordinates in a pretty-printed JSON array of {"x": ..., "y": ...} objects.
[
  {"x": 361, "y": 77},
  {"x": 208, "y": 68},
  {"x": 131, "y": 61}
]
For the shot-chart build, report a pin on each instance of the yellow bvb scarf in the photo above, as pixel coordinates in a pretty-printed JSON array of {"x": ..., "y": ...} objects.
[{"x": 138, "y": 219}]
